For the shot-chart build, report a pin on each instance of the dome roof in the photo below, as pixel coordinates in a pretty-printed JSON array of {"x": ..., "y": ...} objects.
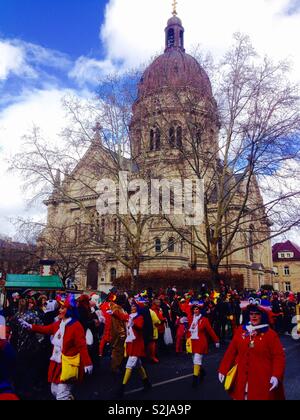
[
  {"x": 174, "y": 20},
  {"x": 175, "y": 70}
]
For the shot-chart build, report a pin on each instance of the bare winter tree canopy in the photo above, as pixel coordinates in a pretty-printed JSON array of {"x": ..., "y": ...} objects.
[{"x": 246, "y": 149}]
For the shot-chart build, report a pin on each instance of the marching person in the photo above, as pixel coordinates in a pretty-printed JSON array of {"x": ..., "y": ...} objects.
[
  {"x": 182, "y": 328},
  {"x": 158, "y": 328},
  {"x": 199, "y": 331},
  {"x": 119, "y": 317},
  {"x": 69, "y": 349},
  {"x": 135, "y": 347},
  {"x": 7, "y": 368},
  {"x": 28, "y": 349},
  {"x": 257, "y": 357}
]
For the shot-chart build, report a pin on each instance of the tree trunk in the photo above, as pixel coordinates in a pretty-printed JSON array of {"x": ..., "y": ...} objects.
[
  {"x": 215, "y": 279},
  {"x": 134, "y": 272},
  {"x": 132, "y": 282}
]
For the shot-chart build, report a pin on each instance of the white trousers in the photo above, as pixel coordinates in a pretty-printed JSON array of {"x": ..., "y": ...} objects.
[
  {"x": 133, "y": 362},
  {"x": 197, "y": 359},
  {"x": 62, "y": 392}
]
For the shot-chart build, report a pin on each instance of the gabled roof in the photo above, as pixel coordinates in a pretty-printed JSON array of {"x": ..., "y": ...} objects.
[{"x": 287, "y": 246}]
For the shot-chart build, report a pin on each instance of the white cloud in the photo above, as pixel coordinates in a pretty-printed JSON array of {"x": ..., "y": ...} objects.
[
  {"x": 23, "y": 59},
  {"x": 134, "y": 29},
  {"x": 89, "y": 71},
  {"x": 42, "y": 108},
  {"x": 13, "y": 61}
]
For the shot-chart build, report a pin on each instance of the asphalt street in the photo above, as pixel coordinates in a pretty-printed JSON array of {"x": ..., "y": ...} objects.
[{"x": 172, "y": 379}]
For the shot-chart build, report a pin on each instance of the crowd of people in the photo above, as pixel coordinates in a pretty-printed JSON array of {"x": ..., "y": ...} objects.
[{"x": 63, "y": 337}]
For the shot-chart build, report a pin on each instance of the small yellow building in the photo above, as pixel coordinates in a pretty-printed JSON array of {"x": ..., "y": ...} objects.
[{"x": 286, "y": 260}]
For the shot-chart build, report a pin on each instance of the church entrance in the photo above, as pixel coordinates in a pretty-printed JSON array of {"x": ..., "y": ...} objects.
[{"x": 92, "y": 275}]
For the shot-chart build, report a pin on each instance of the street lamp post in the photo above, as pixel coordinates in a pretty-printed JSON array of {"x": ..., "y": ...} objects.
[{"x": 135, "y": 276}]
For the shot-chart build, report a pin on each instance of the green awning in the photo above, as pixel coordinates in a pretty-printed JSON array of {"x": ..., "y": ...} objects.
[{"x": 29, "y": 281}]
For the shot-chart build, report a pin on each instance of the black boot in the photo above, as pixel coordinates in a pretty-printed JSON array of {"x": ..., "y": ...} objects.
[
  {"x": 195, "y": 381},
  {"x": 147, "y": 384},
  {"x": 202, "y": 374},
  {"x": 120, "y": 392}
]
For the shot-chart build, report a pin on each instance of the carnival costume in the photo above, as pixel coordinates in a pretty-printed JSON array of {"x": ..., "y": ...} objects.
[
  {"x": 135, "y": 349},
  {"x": 69, "y": 343},
  {"x": 259, "y": 360},
  {"x": 199, "y": 331}
]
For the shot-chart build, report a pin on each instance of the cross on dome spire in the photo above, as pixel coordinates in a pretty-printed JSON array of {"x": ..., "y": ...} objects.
[{"x": 174, "y": 7}]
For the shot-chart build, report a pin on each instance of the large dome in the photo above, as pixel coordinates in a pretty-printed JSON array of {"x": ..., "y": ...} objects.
[{"x": 174, "y": 70}]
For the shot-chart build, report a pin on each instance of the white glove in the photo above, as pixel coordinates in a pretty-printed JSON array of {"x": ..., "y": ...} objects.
[
  {"x": 217, "y": 345},
  {"x": 25, "y": 324},
  {"x": 221, "y": 377},
  {"x": 88, "y": 370},
  {"x": 274, "y": 382}
]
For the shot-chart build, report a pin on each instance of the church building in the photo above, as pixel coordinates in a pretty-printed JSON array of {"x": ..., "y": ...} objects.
[{"x": 174, "y": 111}]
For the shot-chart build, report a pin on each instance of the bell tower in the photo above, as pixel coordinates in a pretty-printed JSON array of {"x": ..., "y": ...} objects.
[{"x": 174, "y": 34}]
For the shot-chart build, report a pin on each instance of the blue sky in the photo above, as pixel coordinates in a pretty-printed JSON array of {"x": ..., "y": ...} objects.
[
  {"x": 69, "y": 26},
  {"x": 53, "y": 48}
]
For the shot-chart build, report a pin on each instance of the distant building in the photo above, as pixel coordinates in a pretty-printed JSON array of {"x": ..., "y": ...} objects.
[
  {"x": 286, "y": 266},
  {"x": 17, "y": 258}
]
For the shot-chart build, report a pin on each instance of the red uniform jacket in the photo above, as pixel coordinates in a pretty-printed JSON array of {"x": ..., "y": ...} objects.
[
  {"x": 137, "y": 347},
  {"x": 256, "y": 365},
  {"x": 159, "y": 313},
  {"x": 200, "y": 345},
  {"x": 74, "y": 342},
  {"x": 107, "y": 327}
]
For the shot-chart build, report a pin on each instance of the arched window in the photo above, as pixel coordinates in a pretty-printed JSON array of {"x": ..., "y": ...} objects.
[
  {"x": 171, "y": 245},
  {"x": 181, "y": 39},
  {"x": 179, "y": 137},
  {"x": 151, "y": 140},
  {"x": 155, "y": 139},
  {"x": 157, "y": 245},
  {"x": 182, "y": 246},
  {"x": 113, "y": 274},
  {"x": 175, "y": 136},
  {"x": 92, "y": 275},
  {"x": 172, "y": 136},
  {"x": 171, "y": 37}
]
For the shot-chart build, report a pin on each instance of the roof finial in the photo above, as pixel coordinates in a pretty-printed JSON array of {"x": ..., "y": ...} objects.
[
  {"x": 174, "y": 7},
  {"x": 97, "y": 130}
]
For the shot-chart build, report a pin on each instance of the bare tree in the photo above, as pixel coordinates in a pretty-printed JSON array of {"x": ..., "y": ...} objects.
[{"x": 94, "y": 145}]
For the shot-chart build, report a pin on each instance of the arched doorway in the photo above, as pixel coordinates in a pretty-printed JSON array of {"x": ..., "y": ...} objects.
[{"x": 92, "y": 275}]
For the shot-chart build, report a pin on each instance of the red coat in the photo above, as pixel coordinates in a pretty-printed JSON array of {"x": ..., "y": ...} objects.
[
  {"x": 74, "y": 342},
  {"x": 205, "y": 330},
  {"x": 137, "y": 347},
  {"x": 256, "y": 365}
]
